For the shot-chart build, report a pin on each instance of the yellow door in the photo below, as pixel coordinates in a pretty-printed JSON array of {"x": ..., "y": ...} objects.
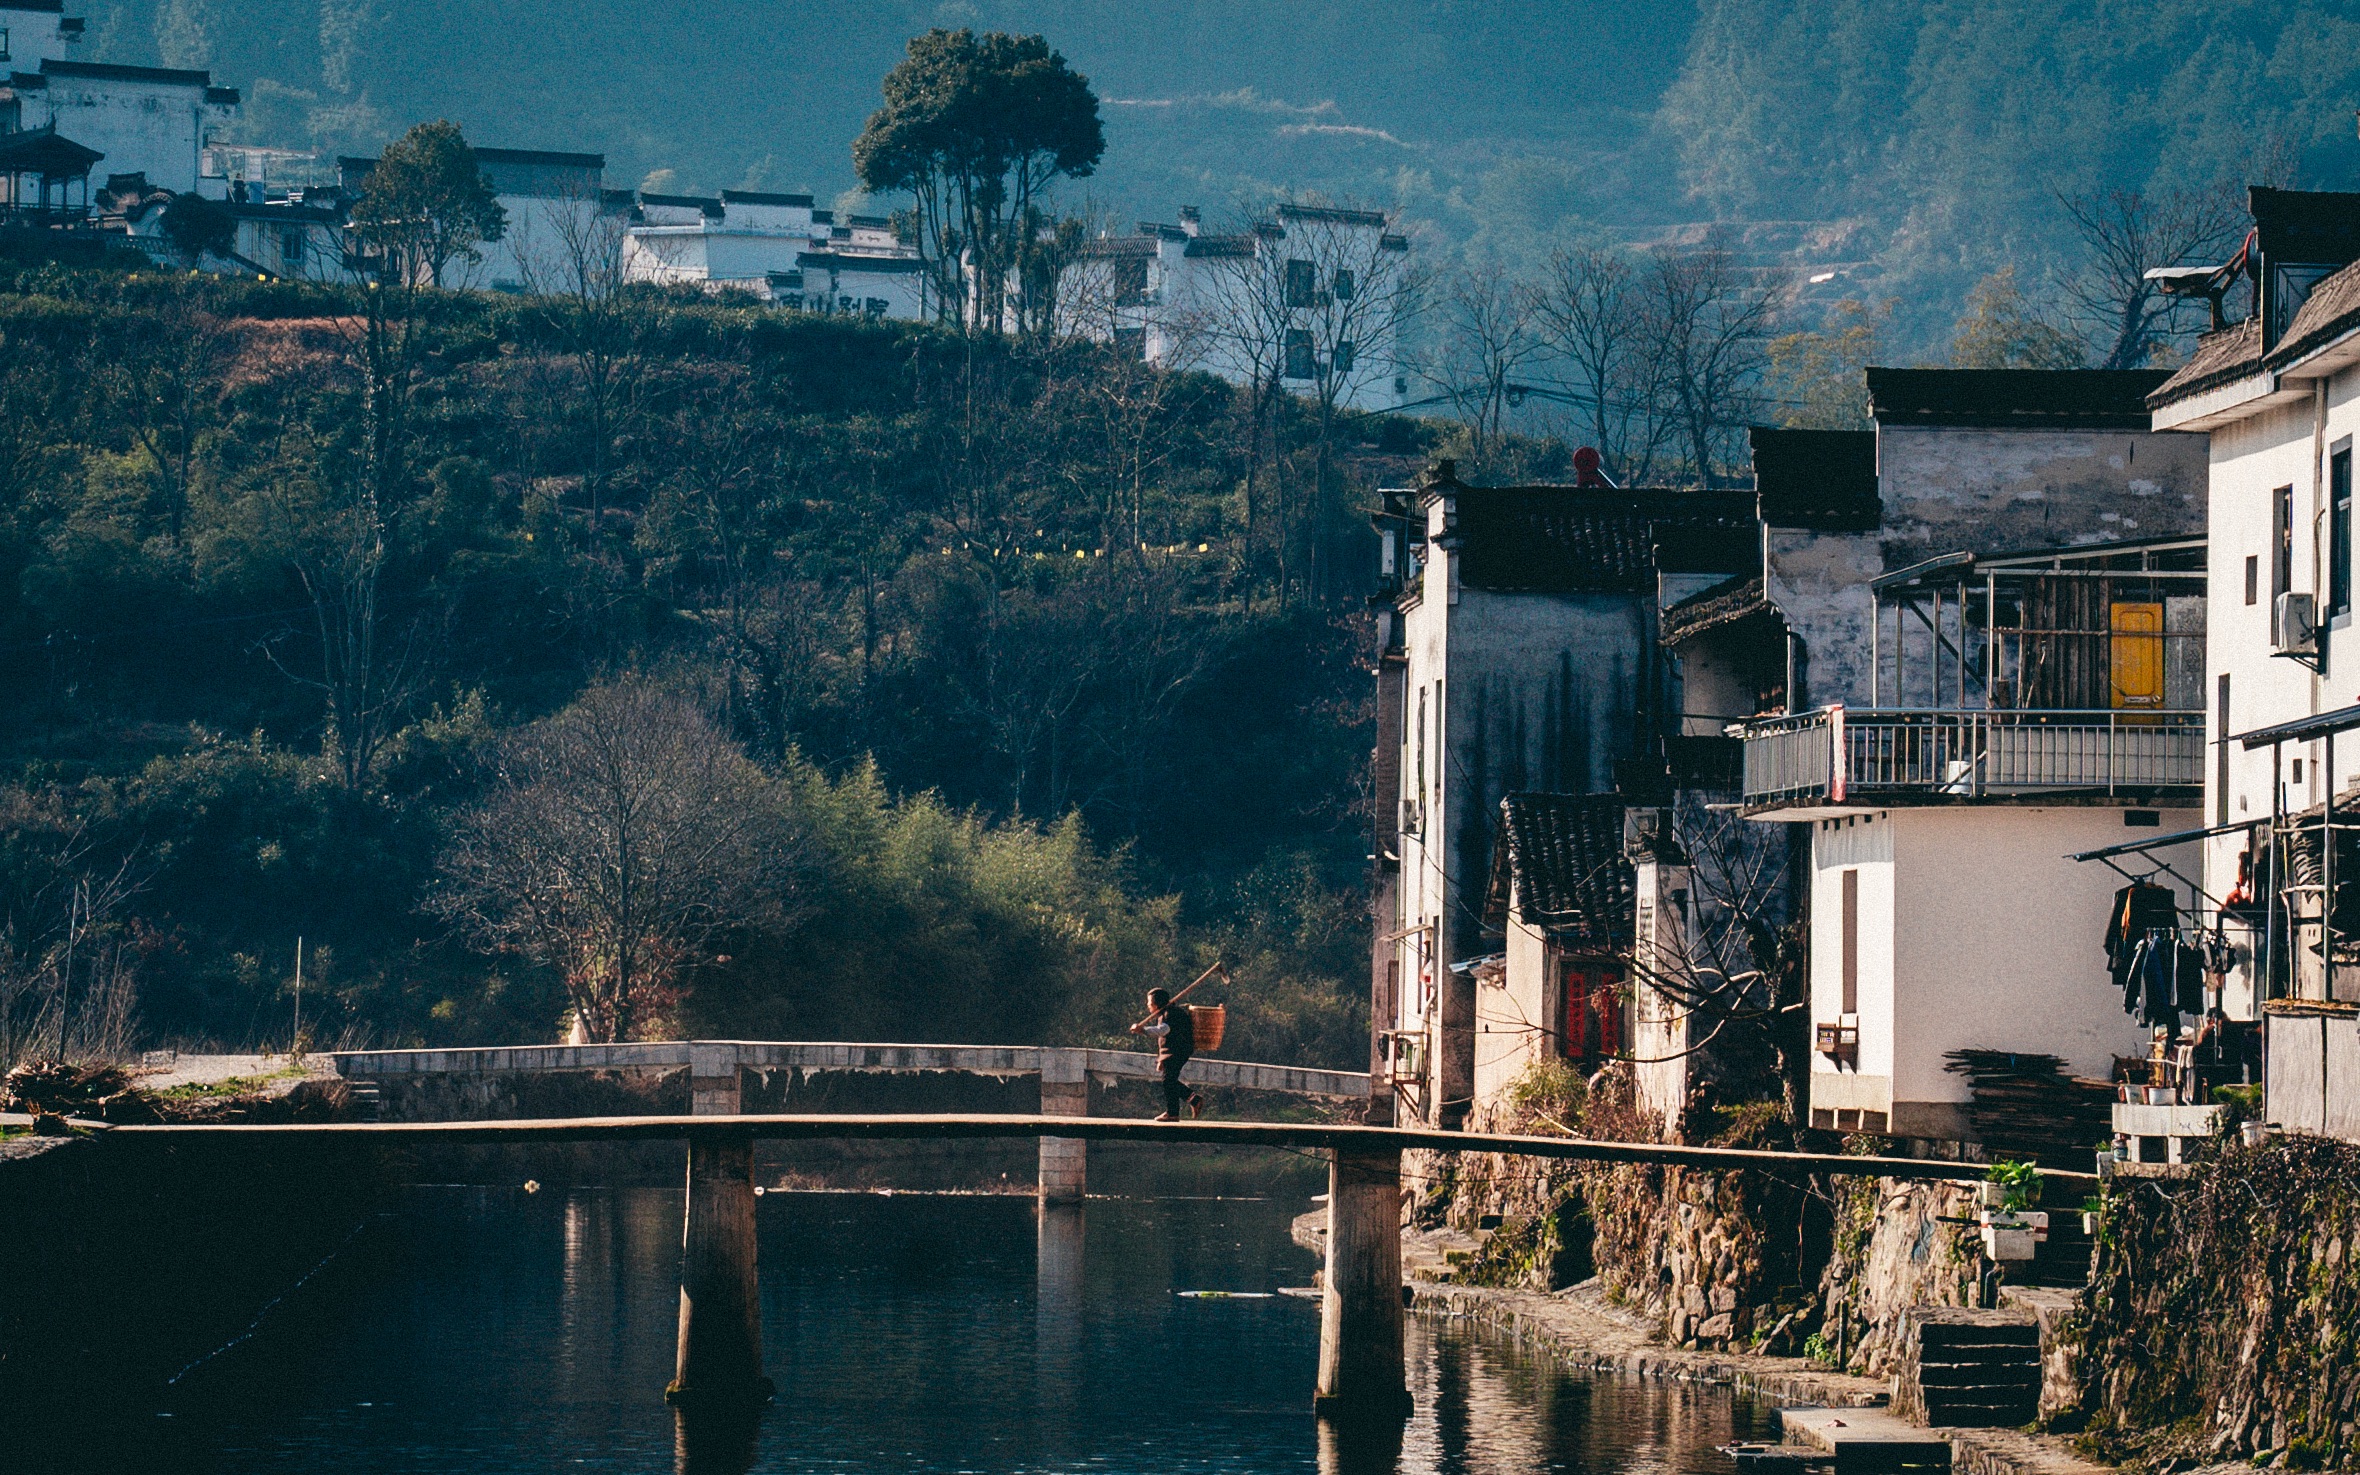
[{"x": 2137, "y": 657}]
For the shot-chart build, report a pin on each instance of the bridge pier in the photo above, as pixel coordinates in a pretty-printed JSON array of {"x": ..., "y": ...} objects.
[
  {"x": 717, "y": 1359},
  {"x": 1065, "y": 1091},
  {"x": 718, "y": 1356},
  {"x": 1362, "y": 1373}
]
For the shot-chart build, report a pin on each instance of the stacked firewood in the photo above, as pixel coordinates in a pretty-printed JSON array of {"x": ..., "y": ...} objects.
[{"x": 2028, "y": 1106}]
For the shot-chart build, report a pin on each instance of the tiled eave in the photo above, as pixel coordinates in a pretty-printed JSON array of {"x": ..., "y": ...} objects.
[{"x": 2224, "y": 404}]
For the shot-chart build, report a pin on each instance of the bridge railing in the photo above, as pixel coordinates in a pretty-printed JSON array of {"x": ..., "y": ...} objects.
[{"x": 707, "y": 1057}]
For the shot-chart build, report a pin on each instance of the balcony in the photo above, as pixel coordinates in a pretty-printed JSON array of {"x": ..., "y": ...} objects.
[{"x": 1834, "y": 757}]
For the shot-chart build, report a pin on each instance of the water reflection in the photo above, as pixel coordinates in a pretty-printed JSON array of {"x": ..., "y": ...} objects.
[
  {"x": 715, "y": 1441},
  {"x": 492, "y": 1331},
  {"x": 1058, "y": 1293}
]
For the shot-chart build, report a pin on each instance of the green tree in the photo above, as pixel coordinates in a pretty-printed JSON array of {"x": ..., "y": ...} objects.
[
  {"x": 975, "y": 128},
  {"x": 2000, "y": 330},
  {"x": 1815, "y": 377},
  {"x": 427, "y": 204}
]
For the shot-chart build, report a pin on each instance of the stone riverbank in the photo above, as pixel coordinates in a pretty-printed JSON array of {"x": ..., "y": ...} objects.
[{"x": 1582, "y": 1328}]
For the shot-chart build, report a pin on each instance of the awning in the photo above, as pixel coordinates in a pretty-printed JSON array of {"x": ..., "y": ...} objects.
[
  {"x": 2163, "y": 842},
  {"x": 2302, "y": 729}
]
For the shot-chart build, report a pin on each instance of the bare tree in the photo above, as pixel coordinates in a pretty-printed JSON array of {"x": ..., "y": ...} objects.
[
  {"x": 1319, "y": 296},
  {"x": 1707, "y": 321},
  {"x": 1490, "y": 331},
  {"x": 1591, "y": 309},
  {"x": 1727, "y": 980},
  {"x": 69, "y": 960},
  {"x": 2124, "y": 232},
  {"x": 619, "y": 839},
  {"x": 577, "y": 263}
]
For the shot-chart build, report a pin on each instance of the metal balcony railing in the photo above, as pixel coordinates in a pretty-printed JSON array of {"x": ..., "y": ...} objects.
[{"x": 1835, "y": 755}]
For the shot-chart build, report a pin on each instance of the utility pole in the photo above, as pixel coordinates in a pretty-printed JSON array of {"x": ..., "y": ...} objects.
[{"x": 295, "y": 1039}]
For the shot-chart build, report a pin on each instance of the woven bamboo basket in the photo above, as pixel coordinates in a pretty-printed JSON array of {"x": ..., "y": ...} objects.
[{"x": 1211, "y": 1020}]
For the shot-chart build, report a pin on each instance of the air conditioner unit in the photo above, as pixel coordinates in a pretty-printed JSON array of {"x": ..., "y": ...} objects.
[
  {"x": 2294, "y": 625},
  {"x": 1413, "y": 817}
]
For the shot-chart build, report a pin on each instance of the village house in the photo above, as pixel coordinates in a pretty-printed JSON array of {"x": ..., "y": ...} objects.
[
  {"x": 1310, "y": 296},
  {"x": 2277, "y": 394},
  {"x": 62, "y": 117},
  {"x": 1519, "y": 628},
  {"x": 1989, "y": 611},
  {"x": 780, "y": 248}
]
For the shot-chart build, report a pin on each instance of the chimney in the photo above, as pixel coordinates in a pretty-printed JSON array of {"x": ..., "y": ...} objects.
[{"x": 1192, "y": 220}]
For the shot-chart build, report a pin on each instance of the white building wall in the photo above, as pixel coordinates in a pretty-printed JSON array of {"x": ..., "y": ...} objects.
[
  {"x": 33, "y": 35},
  {"x": 1975, "y": 933},
  {"x": 1513, "y": 1015},
  {"x": 2285, "y": 445},
  {"x": 155, "y": 128}
]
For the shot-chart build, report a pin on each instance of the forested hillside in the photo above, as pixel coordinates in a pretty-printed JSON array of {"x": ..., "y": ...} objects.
[
  {"x": 1033, "y": 666},
  {"x": 1937, "y": 135}
]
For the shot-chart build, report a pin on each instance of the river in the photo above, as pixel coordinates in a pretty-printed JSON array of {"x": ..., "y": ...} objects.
[{"x": 481, "y": 1330}]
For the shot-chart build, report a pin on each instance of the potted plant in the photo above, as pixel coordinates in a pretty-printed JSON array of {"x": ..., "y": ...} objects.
[{"x": 2090, "y": 1210}]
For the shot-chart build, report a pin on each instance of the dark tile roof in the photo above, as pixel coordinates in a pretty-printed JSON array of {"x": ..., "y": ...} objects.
[
  {"x": 1823, "y": 479},
  {"x": 2331, "y": 311},
  {"x": 1560, "y": 856},
  {"x": 1219, "y": 246},
  {"x": 850, "y": 261},
  {"x": 546, "y": 157},
  {"x": 1340, "y": 217},
  {"x": 869, "y": 222},
  {"x": 35, "y": 7},
  {"x": 110, "y": 72},
  {"x": 2220, "y": 358},
  {"x": 44, "y": 151},
  {"x": 704, "y": 204},
  {"x": 1566, "y": 540},
  {"x": 1102, "y": 247},
  {"x": 227, "y": 97},
  {"x": 2063, "y": 399},
  {"x": 756, "y": 197},
  {"x": 1725, "y": 603}
]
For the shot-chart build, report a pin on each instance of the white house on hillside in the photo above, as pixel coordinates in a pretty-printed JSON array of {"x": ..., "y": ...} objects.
[
  {"x": 1312, "y": 296},
  {"x": 151, "y": 121}
]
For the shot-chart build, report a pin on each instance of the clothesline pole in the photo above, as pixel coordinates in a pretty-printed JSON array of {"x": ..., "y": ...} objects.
[
  {"x": 2327, "y": 880},
  {"x": 2277, "y": 872}
]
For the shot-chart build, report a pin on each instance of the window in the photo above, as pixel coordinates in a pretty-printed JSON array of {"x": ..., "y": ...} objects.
[
  {"x": 2339, "y": 531},
  {"x": 2281, "y": 542},
  {"x": 1342, "y": 359},
  {"x": 3, "y": 43},
  {"x": 1302, "y": 285},
  {"x": 1343, "y": 285},
  {"x": 2221, "y": 753},
  {"x": 291, "y": 248},
  {"x": 1851, "y": 957},
  {"x": 1302, "y": 363},
  {"x": 2253, "y": 579}
]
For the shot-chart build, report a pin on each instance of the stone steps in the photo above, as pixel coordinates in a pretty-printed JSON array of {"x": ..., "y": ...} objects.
[{"x": 1970, "y": 1369}]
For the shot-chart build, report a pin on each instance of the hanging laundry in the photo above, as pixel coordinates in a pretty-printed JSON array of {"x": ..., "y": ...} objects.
[{"x": 2138, "y": 909}]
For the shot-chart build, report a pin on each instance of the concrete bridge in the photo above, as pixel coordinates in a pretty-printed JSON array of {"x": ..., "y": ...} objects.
[
  {"x": 718, "y": 1354},
  {"x": 717, "y": 1070}
]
